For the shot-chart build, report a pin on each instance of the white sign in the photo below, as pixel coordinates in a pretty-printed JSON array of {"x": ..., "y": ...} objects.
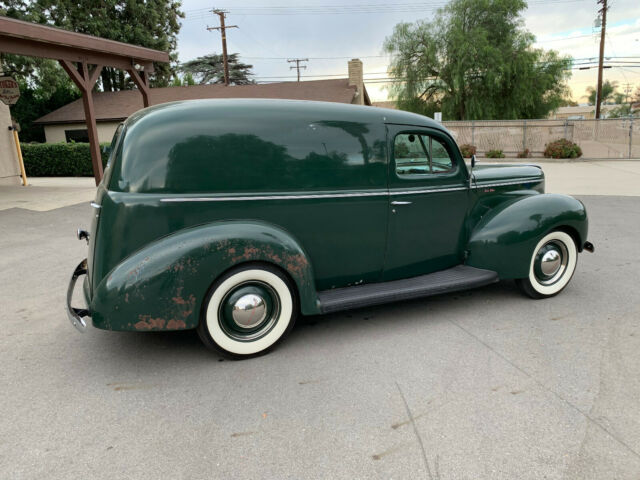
[
  {"x": 437, "y": 116},
  {"x": 9, "y": 90}
]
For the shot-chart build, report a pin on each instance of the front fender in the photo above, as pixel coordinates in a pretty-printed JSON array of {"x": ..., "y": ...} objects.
[
  {"x": 162, "y": 286},
  {"x": 504, "y": 239}
]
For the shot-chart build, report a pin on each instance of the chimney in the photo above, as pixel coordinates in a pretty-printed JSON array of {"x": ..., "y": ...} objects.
[{"x": 356, "y": 78}]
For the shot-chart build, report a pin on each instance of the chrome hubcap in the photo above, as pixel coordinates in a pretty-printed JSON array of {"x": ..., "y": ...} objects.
[
  {"x": 551, "y": 262},
  {"x": 249, "y": 311}
]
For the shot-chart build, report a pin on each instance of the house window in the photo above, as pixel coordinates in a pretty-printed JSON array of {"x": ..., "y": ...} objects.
[{"x": 77, "y": 136}]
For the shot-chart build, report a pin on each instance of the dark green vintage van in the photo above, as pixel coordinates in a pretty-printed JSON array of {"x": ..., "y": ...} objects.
[{"x": 233, "y": 216}]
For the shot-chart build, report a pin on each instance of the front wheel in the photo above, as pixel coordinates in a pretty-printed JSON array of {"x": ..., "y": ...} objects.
[
  {"x": 553, "y": 263},
  {"x": 247, "y": 311}
]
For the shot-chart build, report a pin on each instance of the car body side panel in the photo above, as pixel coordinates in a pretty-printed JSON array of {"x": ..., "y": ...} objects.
[
  {"x": 163, "y": 285},
  {"x": 504, "y": 238}
]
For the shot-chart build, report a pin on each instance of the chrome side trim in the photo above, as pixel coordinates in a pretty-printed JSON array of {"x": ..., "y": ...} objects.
[
  {"x": 426, "y": 190},
  {"x": 276, "y": 197},
  {"x": 384, "y": 193},
  {"x": 502, "y": 184},
  {"x": 96, "y": 206}
]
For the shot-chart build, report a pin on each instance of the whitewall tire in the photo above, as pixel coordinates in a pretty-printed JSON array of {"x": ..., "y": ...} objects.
[
  {"x": 552, "y": 265},
  {"x": 247, "y": 311}
]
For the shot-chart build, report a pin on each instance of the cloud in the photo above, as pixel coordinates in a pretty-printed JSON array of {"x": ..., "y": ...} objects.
[{"x": 262, "y": 37}]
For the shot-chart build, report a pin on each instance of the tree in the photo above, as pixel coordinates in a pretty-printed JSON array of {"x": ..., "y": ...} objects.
[
  {"x": 567, "y": 102},
  {"x": 186, "y": 80},
  {"x": 624, "y": 110},
  {"x": 210, "y": 69},
  {"x": 608, "y": 92},
  {"x": 44, "y": 85},
  {"x": 149, "y": 23},
  {"x": 475, "y": 61}
]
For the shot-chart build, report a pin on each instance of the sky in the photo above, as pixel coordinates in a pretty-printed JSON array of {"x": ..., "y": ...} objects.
[{"x": 329, "y": 33}]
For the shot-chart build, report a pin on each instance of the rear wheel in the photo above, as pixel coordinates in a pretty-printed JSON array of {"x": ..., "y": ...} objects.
[
  {"x": 248, "y": 311},
  {"x": 553, "y": 263}
]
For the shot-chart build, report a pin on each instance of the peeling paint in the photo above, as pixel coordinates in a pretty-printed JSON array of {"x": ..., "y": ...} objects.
[
  {"x": 176, "y": 324},
  {"x": 147, "y": 322}
]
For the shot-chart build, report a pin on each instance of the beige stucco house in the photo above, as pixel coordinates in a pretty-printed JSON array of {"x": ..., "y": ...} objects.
[
  {"x": 67, "y": 123},
  {"x": 580, "y": 112}
]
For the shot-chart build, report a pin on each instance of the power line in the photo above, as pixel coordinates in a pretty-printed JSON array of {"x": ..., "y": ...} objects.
[{"x": 342, "y": 9}]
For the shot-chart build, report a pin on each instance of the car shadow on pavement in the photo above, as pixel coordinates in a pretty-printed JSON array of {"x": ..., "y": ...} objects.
[{"x": 185, "y": 346}]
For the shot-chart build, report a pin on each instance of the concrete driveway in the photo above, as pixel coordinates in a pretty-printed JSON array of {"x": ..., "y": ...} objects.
[{"x": 484, "y": 384}]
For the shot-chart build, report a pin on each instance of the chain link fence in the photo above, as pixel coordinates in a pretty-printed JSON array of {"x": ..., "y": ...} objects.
[{"x": 607, "y": 138}]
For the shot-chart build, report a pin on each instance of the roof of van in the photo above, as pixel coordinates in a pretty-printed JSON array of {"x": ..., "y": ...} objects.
[{"x": 240, "y": 107}]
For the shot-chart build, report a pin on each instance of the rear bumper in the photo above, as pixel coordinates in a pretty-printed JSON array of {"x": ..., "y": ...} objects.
[{"x": 77, "y": 316}]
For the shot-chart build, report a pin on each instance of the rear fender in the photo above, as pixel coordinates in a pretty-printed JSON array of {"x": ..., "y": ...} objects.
[
  {"x": 504, "y": 238},
  {"x": 162, "y": 286}
]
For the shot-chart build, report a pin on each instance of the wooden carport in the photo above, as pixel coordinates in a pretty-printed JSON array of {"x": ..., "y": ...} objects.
[{"x": 82, "y": 57}]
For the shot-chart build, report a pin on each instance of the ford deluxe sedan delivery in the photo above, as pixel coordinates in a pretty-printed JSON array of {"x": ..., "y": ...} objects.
[{"x": 234, "y": 216}]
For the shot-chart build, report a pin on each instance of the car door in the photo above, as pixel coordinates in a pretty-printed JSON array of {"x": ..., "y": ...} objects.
[{"x": 428, "y": 202}]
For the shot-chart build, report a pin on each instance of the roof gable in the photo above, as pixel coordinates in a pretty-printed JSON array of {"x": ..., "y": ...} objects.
[{"x": 116, "y": 106}]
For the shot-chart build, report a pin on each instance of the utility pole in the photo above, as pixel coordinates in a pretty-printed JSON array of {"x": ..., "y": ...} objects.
[
  {"x": 298, "y": 66},
  {"x": 603, "y": 29},
  {"x": 627, "y": 91},
  {"x": 223, "y": 32}
]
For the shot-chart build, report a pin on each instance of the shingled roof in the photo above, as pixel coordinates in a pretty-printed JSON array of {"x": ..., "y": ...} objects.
[{"x": 116, "y": 106}]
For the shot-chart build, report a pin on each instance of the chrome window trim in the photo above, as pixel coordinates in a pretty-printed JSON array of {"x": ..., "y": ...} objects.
[{"x": 380, "y": 193}]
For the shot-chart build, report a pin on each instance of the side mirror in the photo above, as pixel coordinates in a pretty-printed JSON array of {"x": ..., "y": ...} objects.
[
  {"x": 106, "y": 149},
  {"x": 473, "y": 161}
]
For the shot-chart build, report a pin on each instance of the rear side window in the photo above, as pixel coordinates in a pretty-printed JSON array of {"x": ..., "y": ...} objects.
[
  {"x": 113, "y": 150},
  {"x": 418, "y": 154}
]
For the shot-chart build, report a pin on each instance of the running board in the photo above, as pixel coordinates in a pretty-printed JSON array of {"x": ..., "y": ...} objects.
[{"x": 460, "y": 277}]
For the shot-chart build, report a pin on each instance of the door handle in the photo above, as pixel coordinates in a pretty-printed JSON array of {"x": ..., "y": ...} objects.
[{"x": 399, "y": 202}]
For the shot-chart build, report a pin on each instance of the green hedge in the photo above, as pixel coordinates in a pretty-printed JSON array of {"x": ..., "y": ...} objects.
[{"x": 59, "y": 159}]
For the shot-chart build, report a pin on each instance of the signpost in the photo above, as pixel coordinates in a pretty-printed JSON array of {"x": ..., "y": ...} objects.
[
  {"x": 9, "y": 90},
  {"x": 9, "y": 94}
]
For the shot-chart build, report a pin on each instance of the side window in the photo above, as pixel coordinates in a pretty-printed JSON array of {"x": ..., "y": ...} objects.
[{"x": 419, "y": 154}]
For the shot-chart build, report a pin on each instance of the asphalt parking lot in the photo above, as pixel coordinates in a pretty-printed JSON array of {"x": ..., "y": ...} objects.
[{"x": 484, "y": 384}]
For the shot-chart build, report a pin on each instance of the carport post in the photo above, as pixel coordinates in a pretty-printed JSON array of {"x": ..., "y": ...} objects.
[
  {"x": 85, "y": 81},
  {"x": 141, "y": 79}
]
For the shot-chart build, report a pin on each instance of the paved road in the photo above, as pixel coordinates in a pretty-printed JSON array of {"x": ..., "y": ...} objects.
[{"x": 479, "y": 385}]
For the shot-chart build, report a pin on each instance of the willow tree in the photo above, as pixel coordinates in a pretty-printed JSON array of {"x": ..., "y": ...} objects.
[{"x": 475, "y": 60}]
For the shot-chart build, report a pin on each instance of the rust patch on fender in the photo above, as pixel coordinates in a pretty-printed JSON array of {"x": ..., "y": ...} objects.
[
  {"x": 250, "y": 253},
  {"x": 147, "y": 322},
  {"x": 176, "y": 324},
  {"x": 296, "y": 264}
]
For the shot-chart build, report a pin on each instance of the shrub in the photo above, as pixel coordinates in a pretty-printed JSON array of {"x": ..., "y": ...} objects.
[
  {"x": 526, "y": 153},
  {"x": 59, "y": 159},
  {"x": 495, "y": 154},
  {"x": 562, "y": 148},
  {"x": 468, "y": 150}
]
